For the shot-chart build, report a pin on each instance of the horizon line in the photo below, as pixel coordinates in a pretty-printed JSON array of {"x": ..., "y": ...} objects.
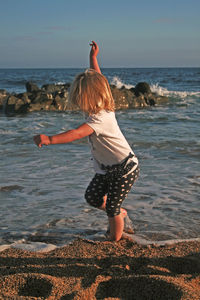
[{"x": 152, "y": 67}]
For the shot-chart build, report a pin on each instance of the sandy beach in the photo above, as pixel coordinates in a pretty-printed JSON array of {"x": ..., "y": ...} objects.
[{"x": 103, "y": 270}]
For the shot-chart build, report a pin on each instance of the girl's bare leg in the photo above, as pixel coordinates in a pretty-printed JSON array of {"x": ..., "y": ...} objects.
[
  {"x": 116, "y": 224},
  {"x": 116, "y": 227}
]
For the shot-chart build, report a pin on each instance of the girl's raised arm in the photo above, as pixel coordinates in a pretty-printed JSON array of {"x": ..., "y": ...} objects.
[{"x": 93, "y": 57}]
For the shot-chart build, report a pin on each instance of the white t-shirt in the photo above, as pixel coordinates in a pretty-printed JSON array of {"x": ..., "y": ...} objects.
[{"x": 108, "y": 144}]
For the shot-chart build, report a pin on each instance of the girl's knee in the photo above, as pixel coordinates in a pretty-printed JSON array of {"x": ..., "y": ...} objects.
[{"x": 112, "y": 211}]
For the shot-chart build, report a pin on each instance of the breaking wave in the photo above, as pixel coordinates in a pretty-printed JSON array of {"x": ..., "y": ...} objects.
[{"x": 156, "y": 88}]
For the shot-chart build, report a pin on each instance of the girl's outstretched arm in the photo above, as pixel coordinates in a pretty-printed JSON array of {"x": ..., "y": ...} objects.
[
  {"x": 65, "y": 137},
  {"x": 93, "y": 57}
]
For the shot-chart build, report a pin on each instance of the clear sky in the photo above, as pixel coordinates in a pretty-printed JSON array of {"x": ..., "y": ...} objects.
[{"x": 130, "y": 33}]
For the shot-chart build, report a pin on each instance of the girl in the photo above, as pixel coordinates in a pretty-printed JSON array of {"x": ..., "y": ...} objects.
[{"x": 115, "y": 164}]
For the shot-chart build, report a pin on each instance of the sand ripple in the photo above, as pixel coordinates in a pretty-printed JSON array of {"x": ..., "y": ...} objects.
[{"x": 103, "y": 270}]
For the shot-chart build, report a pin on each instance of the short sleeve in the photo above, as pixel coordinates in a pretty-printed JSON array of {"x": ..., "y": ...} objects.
[{"x": 95, "y": 122}]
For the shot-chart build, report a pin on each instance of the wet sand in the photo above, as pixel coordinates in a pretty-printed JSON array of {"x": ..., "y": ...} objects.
[{"x": 103, "y": 270}]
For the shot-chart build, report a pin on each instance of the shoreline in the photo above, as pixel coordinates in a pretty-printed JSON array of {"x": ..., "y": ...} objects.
[
  {"x": 45, "y": 247},
  {"x": 88, "y": 269}
]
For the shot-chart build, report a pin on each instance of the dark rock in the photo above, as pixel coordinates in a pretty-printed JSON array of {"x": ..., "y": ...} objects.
[
  {"x": 138, "y": 102},
  {"x": 31, "y": 87},
  {"x": 120, "y": 97},
  {"x": 10, "y": 104},
  {"x": 132, "y": 90},
  {"x": 21, "y": 106},
  {"x": 2, "y": 91},
  {"x": 64, "y": 94},
  {"x": 3, "y": 96},
  {"x": 142, "y": 88},
  {"x": 24, "y": 97},
  {"x": 41, "y": 97},
  {"x": 55, "y": 98},
  {"x": 61, "y": 103},
  {"x": 15, "y": 105},
  {"x": 161, "y": 99},
  {"x": 53, "y": 88},
  {"x": 151, "y": 101},
  {"x": 38, "y": 106}
]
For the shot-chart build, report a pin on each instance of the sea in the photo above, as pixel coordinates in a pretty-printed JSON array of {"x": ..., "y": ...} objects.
[{"x": 42, "y": 202}]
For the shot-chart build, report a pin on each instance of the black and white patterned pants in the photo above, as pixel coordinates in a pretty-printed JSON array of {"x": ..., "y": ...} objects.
[{"x": 116, "y": 189}]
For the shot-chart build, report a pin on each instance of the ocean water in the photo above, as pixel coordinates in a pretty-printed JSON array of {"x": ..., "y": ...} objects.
[{"x": 42, "y": 190}]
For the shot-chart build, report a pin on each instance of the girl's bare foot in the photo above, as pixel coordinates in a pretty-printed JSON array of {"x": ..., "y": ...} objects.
[{"x": 128, "y": 225}]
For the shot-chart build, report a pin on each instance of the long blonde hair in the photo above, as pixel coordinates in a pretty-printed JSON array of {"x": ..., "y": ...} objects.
[{"x": 90, "y": 91}]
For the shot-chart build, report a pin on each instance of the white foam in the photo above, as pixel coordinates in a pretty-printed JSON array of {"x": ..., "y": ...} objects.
[
  {"x": 60, "y": 83},
  {"x": 119, "y": 84},
  {"x": 4, "y": 247},
  {"x": 156, "y": 88},
  {"x": 34, "y": 247},
  {"x": 143, "y": 241}
]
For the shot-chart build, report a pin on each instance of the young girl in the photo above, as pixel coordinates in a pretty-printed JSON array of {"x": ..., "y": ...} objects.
[{"x": 115, "y": 164}]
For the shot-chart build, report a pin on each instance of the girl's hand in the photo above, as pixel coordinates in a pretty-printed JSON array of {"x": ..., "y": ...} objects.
[
  {"x": 94, "y": 50},
  {"x": 41, "y": 139}
]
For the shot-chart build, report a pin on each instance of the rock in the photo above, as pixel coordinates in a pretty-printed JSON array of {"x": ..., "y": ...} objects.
[
  {"x": 142, "y": 88},
  {"x": 161, "y": 99},
  {"x": 10, "y": 104},
  {"x": 15, "y": 105},
  {"x": 40, "y": 97},
  {"x": 24, "y": 97},
  {"x": 3, "y": 96},
  {"x": 53, "y": 88},
  {"x": 139, "y": 102},
  {"x": 55, "y": 98},
  {"x": 132, "y": 90},
  {"x": 31, "y": 87},
  {"x": 120, "y": 97}
]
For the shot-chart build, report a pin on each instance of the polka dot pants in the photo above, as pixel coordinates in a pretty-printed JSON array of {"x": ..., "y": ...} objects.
[{"x": 116, "y": 189}]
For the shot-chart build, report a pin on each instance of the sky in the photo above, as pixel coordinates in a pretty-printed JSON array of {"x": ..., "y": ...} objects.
[{"x": 130, "y": 33}]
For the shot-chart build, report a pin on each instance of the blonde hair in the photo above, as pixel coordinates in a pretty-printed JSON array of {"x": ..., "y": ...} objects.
[{"x": 90, "y": 91}]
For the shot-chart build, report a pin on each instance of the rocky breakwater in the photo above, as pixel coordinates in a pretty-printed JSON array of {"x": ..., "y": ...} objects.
[{"x": 53, "y": 97}]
